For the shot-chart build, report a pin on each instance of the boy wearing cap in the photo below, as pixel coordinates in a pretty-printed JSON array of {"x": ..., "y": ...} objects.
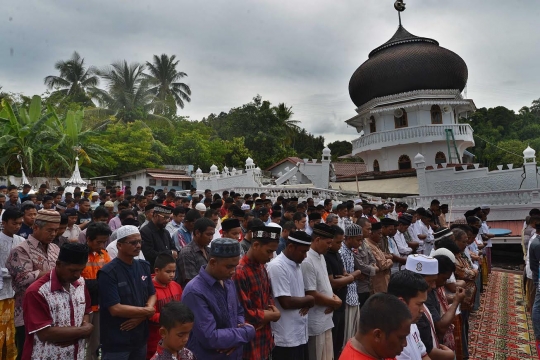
[
  {"x": 126, "y": 301},
  {"x": 219, "y": 331},
  {"x": 57, "y": 325},
  {"x": 317, "y": 284},
  {"x": 255, "y": 292}
]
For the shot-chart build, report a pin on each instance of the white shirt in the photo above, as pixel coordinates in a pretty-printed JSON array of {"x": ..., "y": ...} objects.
[
  {"x": 6, "y": 244},
  {"x": 421, "y": 229},
  {"x": 485, "y": 230},
  {"x": 414, "y": 237},
  {"x": 394, "y": 250},
  {"x": 527, "y": 263},
  {"x": 316, "y": 279},
  {"x": 113, "y": 251},
  {"x": 415, "y": 348},
  {"x": 286, "y": 279},
  {"x": 403, "y": 248}
]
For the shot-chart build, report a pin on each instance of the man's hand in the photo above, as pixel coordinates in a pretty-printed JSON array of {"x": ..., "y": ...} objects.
[
  {"x": 311, "y": 301},
  {"x": 329, "y": 310},
  {"x": 150, "y": 310},
  {"x": 303, "y": 311},
  {"x": 357, "y": 275},
  {"x": 276, "y": 315},
  {"x": 337, "y": 302},
  {"x": 131, "y": 324},
  {"x": 388, "y": 256},
  {"x": 460, "y": 294}
]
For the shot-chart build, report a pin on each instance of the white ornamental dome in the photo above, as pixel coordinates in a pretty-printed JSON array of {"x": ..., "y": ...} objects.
[
  {"x": 199, "y": 171},
  {"x": 326, "y": 151},
  {"x": 249, "y": 161},
  {"x": 213, "y": 168},
  {"x": 419, "y": 158},
  {"x": 529, "y": 152}
]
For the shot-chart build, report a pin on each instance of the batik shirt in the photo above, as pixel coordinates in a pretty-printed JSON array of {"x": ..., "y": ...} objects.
[
  {"x": 24, "y": 265},
  {"x": 348, "y": 262},
  {"x": 255, "y": 295},
  {"x": 164, "y": 354}
]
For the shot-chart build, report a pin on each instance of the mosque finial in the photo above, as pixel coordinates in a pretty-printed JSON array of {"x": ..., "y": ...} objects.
[{"x": 399, "y": 5}]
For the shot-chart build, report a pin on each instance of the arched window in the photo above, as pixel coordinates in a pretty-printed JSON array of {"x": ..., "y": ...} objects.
[
  {"x": 372, "y": 125},
  {"x": 404, "y": 162},
  {"x": 440, "y": 158},
  {"x": 400, "y": 121},
  {"x": 376, "y": 166},
  {"x": 436, "y": 114}
]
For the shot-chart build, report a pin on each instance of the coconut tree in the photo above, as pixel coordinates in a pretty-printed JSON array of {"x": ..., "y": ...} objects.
[
  {"x": 284, "y": 114},
  {"x": 74, "y": 78},
  {"x": 128, "y": 95},
  {"x": 164, "y": 83}
]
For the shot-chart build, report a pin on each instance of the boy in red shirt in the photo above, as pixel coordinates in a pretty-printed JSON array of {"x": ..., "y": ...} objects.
[
  {"x": 385, "y": 322},
  {"x": 167, "y": 290}
]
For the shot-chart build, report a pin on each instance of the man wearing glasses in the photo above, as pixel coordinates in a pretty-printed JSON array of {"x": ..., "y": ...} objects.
[
  {"x": 127, "y": 298},
  {"x": 156, "y": 239}
]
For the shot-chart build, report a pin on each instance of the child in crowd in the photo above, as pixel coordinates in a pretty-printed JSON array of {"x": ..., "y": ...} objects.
[
  {"x": 176, "y": 322},
  {"x": 167, "y": 290}
]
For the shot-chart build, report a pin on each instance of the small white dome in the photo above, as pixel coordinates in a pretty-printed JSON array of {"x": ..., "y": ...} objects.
[
  {"x": 249, "y": 161},
  {"x": 257, "y": 170},
  {"x": 199, "y": 171},
  {"x": 419, "y": 158},
  {"x": 213, "y": 168},
  {"x": 326, "y": 151},
  {"x": 529, "y": 152},
  {"x": 233, "y": 170}
]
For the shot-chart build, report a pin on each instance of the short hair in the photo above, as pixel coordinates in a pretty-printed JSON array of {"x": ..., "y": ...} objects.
[
  {"x": 327, "y": 201},
  {"x": 383, "y": 311},
  {"x": 60, "y": 188},
  {"x": 82, "y": 200},
  {"x": 275, "y": 214},
  {"x": 100, "y": 212},
  {"x": 289, "y": 225},
  {"x": 47, "y": 198},
  {"x": 11, "y": 214},
  {"x": 435, "y": 202},
  {"x": 341, "y": 207},
  {"x": 192, "y": 215},
  {"x": 174, "y": 313},
  {"x": 338, "y": 230},
  {"x": 447, "y": 243},
  {"x": 331, "y": 218},
  {"x": 290, "y": 208},
  {"x": 462, "y": 227},
  {"x": 63, "y": 219},
  {"x": 178, "y": 210},
  {"x": 298, "y": 216},
  {"x": 446, "y": 265},
  {"x": 362, "y": 221},
  {"x": 407, "y": 284},
  {"x": 27, "y": 207},
  {"x": 162, "y": 260},
  {"x": 458, "y": 233},
  {"x": 248, "y": 214},
  {"x": 254, "y": 223},
  {"x": 125, "y": 213},
  {"x": 202, "y": 224},
  {"x": 210, "y": 212},
  {"x": 96, "y": 229},
  {"x": 534, "y": 211}
]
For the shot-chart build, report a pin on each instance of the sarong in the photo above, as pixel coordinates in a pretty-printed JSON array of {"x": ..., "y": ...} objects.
[{"x": 7, "y": 328}]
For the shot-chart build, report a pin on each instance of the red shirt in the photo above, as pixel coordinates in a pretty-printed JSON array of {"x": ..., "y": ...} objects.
[
  {"x": 164, "y": 294},
  {"x": 350, "y": 353}
]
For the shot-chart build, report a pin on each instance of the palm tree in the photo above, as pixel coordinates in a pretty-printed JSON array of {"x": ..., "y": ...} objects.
[
  {"x": 284, "y": 114},
  {"x": 128, "y": 96},
  {"x": 74, "y": 78},
  {"x": 163, "y": 79}
]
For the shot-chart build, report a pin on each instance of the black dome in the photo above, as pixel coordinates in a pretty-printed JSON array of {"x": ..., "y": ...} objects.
[{"x": 407, "y": 63}]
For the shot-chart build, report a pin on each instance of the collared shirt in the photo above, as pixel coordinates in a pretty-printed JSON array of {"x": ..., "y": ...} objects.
[
  {"x": 217, "y": 315},
  {"x": 46, "y": 304},
  {"x": 6, "y": 244},
  {"x": 25, "y": 231},
  {"x": 96, "y": 260},
  {"x": 365, "y": 262},
  {"x": 72, "y": 233},
  {"x": 115, "y": 223},
  {"x": 348, "y": 262},
  {"x": 182, "y": 237},
  {"x": 189, "y": 262},
  {"x": 172, "y": 226},
  {"x": 401, "y": 242},
  {"x": 164, "y": 354},
  {"x": 316, "y": 278},
  {"x": 286, "y": 278},
  {"x": 24, "y": 265},
  {"x": 393, "y": 249},
  {"x": 255, "y": 295},
  {"x": 415, "y": 349}
]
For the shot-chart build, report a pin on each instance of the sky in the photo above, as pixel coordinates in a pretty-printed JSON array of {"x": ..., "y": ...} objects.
[{"x": 299, "y": 52}]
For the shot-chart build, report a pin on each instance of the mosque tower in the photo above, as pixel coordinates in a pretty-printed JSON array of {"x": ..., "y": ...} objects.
[{"x": 408, "y": 98}]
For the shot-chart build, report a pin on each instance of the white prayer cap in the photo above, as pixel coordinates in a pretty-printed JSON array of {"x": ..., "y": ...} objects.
[
  {"x": 357, "y": 208},
  {"x": 484, "y": 207},
  {"x": 125, "y": 231},
  {"x": 244, "y": 207},
  {"x": 200, "y": 207},
  {"x": 273, "y": 224},
  {"x": 321, "y": 203},
  {"x": 445, "y": 252},
  {"x": 357, "y": 201},
  {"x": 422, "y": 264}
]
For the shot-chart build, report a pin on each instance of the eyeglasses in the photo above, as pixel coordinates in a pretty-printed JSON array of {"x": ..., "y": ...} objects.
[{"x": 132, "y": 243}]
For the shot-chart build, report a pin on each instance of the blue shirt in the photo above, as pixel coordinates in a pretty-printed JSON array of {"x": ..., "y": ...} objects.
[
  {"x": 217, "y": 315},
  {"x": 121, "y": 283},
  {"x": 281, "y": 246},
  {"x": 25, "y": 231}
]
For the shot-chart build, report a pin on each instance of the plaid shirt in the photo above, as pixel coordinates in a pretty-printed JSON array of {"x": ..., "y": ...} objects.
[
  {"x": 189, "y": 262},
  {"x": 255, "y": 294}
]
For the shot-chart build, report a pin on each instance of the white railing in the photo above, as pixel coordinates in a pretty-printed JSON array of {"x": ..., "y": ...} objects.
[
  {"x": 300, "y": 192},
  {"x": 423, "y": 133}
]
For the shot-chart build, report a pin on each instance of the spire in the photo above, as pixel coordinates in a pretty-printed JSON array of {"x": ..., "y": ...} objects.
[
  {"x": 399, "y": 5},
  {"x": 76, "y": 178}
]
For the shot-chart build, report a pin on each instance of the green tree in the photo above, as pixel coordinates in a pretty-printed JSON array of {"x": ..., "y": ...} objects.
[
  {"x": 290, "y": 126},
  {"x": 164, "y": 80},
  {"x": 340, "y": 148}
]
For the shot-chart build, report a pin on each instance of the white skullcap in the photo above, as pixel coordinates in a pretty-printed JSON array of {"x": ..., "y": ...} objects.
[
  {"x": 357, "y": 208},
  {"x": 484, "y": 207},
  {"x": 244, "y": 207},
  {"x": 273, "y": 224},
  {"x": 357, "y": 201},
  {"x": 445, "y": 252},
  {"x": 125, "y": 231},
  {"x": 200, "y": 207},
  {"x": 422, "y": 264}
]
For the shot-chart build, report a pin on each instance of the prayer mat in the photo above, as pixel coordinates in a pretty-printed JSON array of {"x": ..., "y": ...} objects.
[{"x": 502, "y": 329}]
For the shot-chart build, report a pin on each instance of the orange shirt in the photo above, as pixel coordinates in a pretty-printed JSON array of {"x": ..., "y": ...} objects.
[
  {"x": 95, "y": 262},
  {"x": 350, "y": 353}
]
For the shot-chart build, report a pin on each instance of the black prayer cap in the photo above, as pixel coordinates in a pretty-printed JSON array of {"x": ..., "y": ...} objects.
[
  {"x": 405, "y": 219},
  {"x": 238, "y": 213},
  {"x": 230, "y": 224},
  {"x": 225, "y": 248},
  {"x": 323, "y": 230},
  {"x": 315, "y": 216},
  {"x": 266, "y": 232},
  {"x": 442, "y": 233},
  {"x": 388, "y": 222},
  {"x": 300, "y": 237},
  {"x": 74, "y": 253},
  {"x": 162, "y": 209},
  {"x": 150, "y": 206}
]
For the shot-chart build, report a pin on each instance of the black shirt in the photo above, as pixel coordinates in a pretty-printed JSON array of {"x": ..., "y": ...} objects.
[
  {"x": 334, "y": 266},
  {"x": 424, "y": 327}
]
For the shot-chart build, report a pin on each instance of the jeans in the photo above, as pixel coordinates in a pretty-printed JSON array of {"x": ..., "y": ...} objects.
[
  {"x": 136, "y": 354},
  {"x": 536, "y": 314}
]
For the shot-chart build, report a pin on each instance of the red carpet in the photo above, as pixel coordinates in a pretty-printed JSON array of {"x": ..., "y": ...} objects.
[{"x": 501, "y": 329}]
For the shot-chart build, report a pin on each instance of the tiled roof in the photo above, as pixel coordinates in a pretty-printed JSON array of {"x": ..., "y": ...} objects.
[{"x": 348, "y": 169}]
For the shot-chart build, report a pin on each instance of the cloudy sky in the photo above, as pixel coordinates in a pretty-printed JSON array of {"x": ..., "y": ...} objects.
[{"x": 299, "y": 52}]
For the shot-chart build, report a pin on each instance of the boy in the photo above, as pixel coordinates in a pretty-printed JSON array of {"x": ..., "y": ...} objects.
[
  {"x": 176, "y": 324},
  {"x": 167, "y": 291}
]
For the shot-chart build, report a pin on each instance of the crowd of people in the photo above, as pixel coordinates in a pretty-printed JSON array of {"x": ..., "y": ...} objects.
[{"x": 152, "y": 275}]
